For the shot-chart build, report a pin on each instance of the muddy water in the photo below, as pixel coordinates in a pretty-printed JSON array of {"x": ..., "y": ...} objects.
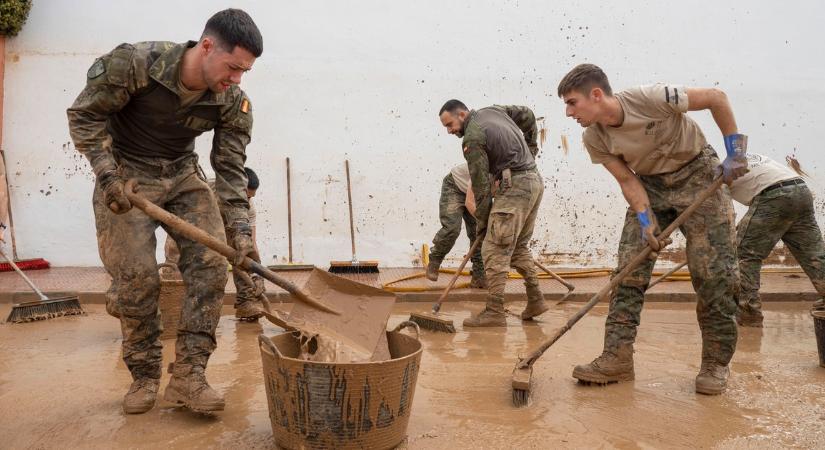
[{"x": 61, "y": 383}]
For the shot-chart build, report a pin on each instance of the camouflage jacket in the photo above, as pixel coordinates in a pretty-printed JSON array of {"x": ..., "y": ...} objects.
[
  {"x": 130, "y": 110},
  {"x": 497, "y": 138}
]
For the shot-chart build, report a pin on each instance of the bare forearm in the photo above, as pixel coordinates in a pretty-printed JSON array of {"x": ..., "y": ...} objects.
[{"x": 635, "y": 194}]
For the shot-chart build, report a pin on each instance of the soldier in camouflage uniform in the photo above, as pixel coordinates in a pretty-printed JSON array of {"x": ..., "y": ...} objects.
[
  {"x": 137, "y": 118},
  {"x": 499, "y": 142},
  {"x": 780, "y": 207},
  {"x": 457, "y": 203},
  {"x": 662, "y": 162}
]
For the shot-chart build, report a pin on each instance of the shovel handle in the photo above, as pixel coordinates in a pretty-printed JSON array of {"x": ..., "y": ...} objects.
[
  {"x": 561, "y": 280},
  {"x": 198, "y": 235},
  {"x": 437, "y": 304},
  {"x": 534, "y": 355}
]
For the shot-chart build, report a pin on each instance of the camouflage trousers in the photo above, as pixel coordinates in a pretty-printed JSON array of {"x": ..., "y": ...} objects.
[
  {"x": 785, "y": 213},
  {"x": 710, "y": 252},
  {"x": 452, "y": 211},
  {"x": 244, "y": 291},
  {"x": 509, "y": 230},
  {"x": 127, "y": 247}
]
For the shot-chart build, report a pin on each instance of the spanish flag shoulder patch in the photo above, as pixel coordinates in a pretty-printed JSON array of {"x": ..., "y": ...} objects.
[{"x": 245, "y": 106}]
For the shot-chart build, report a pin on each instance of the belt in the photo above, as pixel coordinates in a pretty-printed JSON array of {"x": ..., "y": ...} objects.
[
  {"x": 780, "y": 184},
  {"x": 167, "y": 169}
]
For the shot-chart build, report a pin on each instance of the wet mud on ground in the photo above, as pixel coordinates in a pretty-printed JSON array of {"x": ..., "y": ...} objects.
[{"x": 62, "y": 381}]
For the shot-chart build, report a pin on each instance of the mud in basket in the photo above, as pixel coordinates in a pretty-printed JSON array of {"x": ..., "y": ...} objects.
[
  {"x": 170, "y": 299},
  {"x": 339, "y": 405},
  {"x": 819, "y": 331}
]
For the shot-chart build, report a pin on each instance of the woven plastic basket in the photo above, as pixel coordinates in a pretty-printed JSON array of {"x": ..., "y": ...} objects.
[{"x": 331, "y": 405}]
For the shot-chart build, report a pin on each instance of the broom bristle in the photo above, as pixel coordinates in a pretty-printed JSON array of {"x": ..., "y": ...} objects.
[
  {"x": 42, "y": 310},
  {"x": 521, "y": 385},
  {"x": 26, "y": 264},
  {"x": 353, "y": 267},
  {"x": 432, "y": 323}
]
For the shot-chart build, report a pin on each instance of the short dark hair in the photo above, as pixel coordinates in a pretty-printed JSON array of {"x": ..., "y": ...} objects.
[
  {"x": 234, "y": 28},
  {"x": 252, "y": 179},
  {"x": 452, "y": 106},
  {"x": 583, "y": 78}
]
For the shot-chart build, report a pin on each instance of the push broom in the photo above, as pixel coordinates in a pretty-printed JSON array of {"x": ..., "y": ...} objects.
[
  {"x": 290, "y": 265},
  {"x": 523, "y": 372},
  {"x": 354, "y": 265},
  {"x": 42, "y": 309},
  {"x": 432, "y": 321}
]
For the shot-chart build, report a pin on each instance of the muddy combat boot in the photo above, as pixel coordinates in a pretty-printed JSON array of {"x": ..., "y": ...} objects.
[
  {"x": 432, "y": 269},
  {"x": 188, "y": 387},
  {"x": 536, "y": 305},
  {"x": 248, "y": 311},
  {"x": 749, "y": 317},
  {"x": 141, "y": 396},
  {"x": 491, "y": 316},
  {"x": 712, "y": 378},
  {"x": 818, "y": 305},
  {"x": 478, "y": 282},
  {"x": 608, "y": 368}
]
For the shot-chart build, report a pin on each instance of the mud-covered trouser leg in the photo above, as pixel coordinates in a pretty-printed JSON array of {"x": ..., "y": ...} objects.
[
  {"x": 710, "y": 253},
  {"x": 203, "y": 271},
  {"x": 757, "y": 234},
  {"x": 804, "y": 238},
  {"x": 127, "y": 248},
  {"x": 509, "y": 229},
  {"x": 451, "y": 212},
  {"x": 470, "y": 225}
]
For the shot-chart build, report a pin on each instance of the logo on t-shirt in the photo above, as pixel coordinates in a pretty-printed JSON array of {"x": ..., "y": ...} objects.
[{"x": 755, "y": 160}]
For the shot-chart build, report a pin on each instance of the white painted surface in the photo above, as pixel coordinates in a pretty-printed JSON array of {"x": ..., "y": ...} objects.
[{"x": 364, "y": 80}]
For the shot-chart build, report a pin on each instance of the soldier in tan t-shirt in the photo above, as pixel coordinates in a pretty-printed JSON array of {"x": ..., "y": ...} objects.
[{"x": 662, "y": 161}]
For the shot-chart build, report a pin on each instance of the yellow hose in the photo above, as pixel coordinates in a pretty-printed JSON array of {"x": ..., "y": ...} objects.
[{"x": 590, "y": 273}]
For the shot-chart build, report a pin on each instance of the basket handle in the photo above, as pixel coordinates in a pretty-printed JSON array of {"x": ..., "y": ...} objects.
[
  {"x": 266, "y": 342},
  {"x": 406, "y": 324}
]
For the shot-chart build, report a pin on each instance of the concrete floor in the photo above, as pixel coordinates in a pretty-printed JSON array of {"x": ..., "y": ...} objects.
[{"x": 62, "y": 380}]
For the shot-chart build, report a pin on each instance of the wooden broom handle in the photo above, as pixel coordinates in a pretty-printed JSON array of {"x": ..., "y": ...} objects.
[{"x": 629, "y": 267}]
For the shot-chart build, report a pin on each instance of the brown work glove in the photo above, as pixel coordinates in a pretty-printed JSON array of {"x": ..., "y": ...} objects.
[
  {"x": 239, "y": 236},
  {"x": 114, "y": 192}
]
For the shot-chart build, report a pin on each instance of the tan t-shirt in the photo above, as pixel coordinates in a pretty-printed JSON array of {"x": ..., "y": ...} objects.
[
  {"x": 188, "y": 97},
  {"x": 461, "y": 176},
  {"x": 656, "y": 136},
  {"x": 762, "y": 172}
]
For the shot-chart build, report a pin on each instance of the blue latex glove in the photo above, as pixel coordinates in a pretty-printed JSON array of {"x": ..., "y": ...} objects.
[
  {"x": 736, "y": 163},
  {"x": 649, "y": 229}
]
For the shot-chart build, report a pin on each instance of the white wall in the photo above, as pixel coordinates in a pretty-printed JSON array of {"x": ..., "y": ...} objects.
[{"x": 364, "y": 80}]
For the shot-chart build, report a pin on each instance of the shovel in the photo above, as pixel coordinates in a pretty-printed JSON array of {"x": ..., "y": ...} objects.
[{"x": 364, "y": 310}]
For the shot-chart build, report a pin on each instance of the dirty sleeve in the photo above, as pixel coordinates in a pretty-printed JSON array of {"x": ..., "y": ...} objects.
[
  {"x": 525, "y": 119},
  {"x": 110, "y": 82},
  {"x": 475, "y": 153},
  {"x": 228, "y": 157}
]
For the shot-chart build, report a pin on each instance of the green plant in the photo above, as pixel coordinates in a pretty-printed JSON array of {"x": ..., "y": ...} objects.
[{"x": 13, "y": 14}]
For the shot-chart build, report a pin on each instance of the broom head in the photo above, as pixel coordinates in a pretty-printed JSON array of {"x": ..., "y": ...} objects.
[
  {"x": 45, "y": 309},
  {"x": 353, "y": 267},
  {"x": 432, "y": 322},
  {"x": 521, "y": 385}
]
